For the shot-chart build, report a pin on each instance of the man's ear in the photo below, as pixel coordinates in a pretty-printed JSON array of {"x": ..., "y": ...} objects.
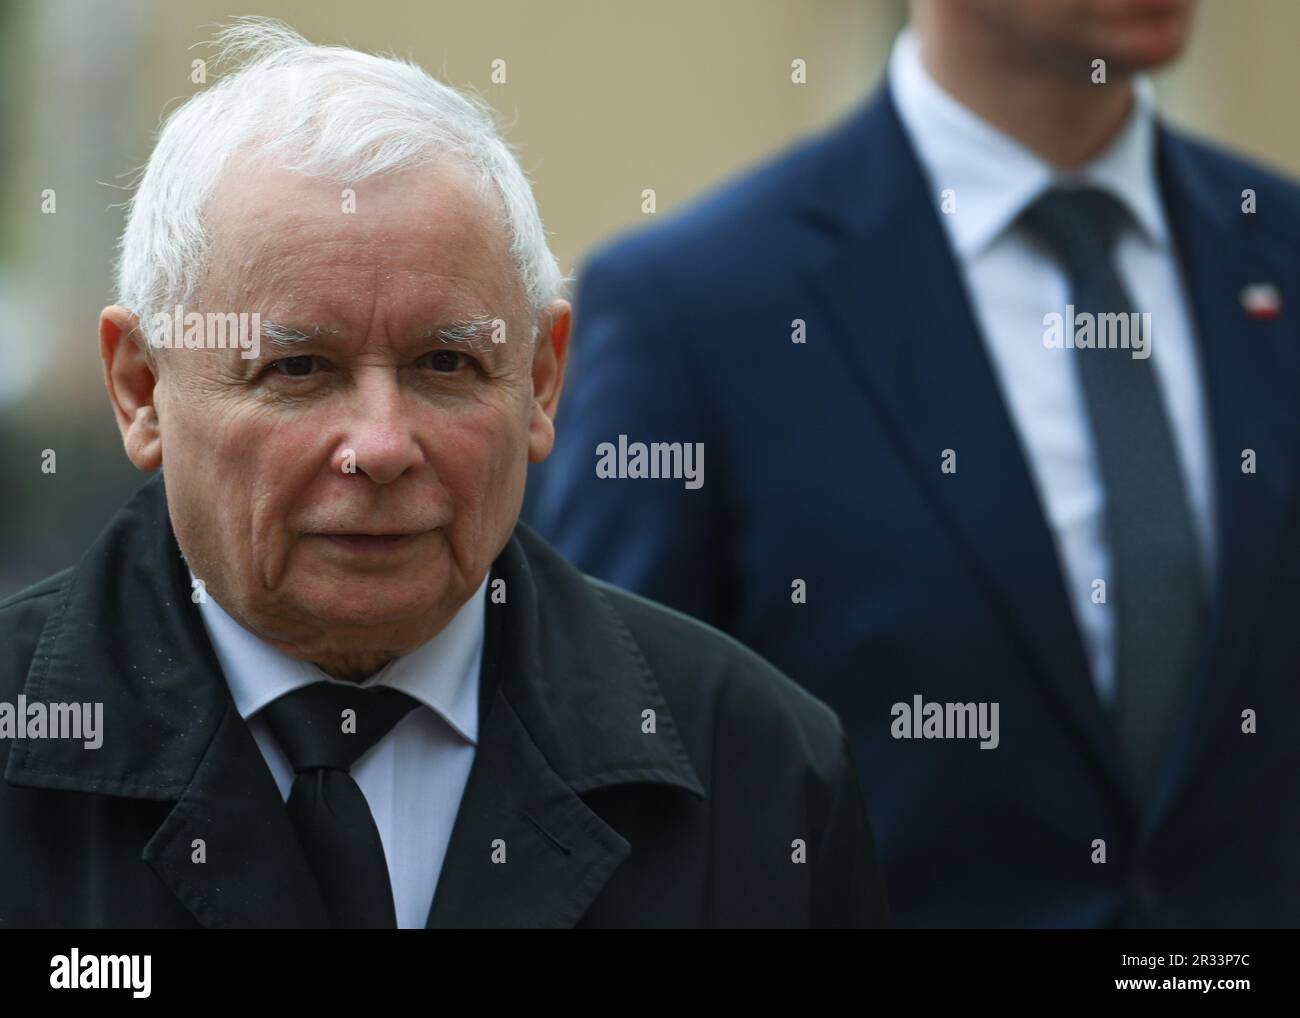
[
  {"x": 550, "y": 355},
  {"x": 131, "y": 380}
]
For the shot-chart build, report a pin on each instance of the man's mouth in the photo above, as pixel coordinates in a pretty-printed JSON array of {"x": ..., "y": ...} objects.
[{"x": 372, "y": 543}]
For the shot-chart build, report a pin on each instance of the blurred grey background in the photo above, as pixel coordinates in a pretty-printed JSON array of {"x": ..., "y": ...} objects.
[{"x": 602, "y": 99}]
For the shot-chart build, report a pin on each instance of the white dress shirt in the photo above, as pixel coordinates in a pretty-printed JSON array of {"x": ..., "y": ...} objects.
[
  {"x": 414, "y": 777},
  {"x": 1012, "y": 284}
]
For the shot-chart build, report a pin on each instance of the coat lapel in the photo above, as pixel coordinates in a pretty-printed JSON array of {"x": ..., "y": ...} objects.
[
  {"x": 899, "y": 312},
  {"x": 255, "y": 874},
  {"x": 565, "y": 719},
  {"x": 526, "y": 851},
  {"x": 127, "y": 635},
  {"x": 1251, "y": 368}
]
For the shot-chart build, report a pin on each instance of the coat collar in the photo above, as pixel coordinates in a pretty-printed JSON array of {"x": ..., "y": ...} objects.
[{"x": 563, "y": 689}]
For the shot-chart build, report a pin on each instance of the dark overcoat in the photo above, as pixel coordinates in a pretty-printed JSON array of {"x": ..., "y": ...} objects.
[{"x": 637, "y": 767}]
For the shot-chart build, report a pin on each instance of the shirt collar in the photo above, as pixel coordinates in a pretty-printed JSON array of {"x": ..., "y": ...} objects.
[
  {"x": 994, "y": 177},
  {"x": 443, "y": 673}
]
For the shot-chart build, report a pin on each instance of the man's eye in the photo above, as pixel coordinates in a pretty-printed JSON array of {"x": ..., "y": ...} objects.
[
  {"x": 446, "y": 361},
  {"x": 295, "y": 367}
]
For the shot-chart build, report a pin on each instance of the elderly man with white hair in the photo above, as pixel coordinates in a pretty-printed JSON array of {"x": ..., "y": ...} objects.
[{"x": 340, "y": 684}]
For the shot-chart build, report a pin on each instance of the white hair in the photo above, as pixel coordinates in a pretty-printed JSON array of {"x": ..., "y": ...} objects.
[{"x": 326, "y": 111}]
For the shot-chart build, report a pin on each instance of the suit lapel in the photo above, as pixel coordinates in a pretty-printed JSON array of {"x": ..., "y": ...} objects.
[
  {"x": 127, "y": 635},
  {"x": 899, "y": 312},
  {"x": 1251, "y": 368}
]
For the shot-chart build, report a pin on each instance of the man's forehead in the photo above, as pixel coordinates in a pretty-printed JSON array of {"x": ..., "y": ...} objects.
[
  {"x": 261, "y": 204},
  {"x": 275, "y": 232}
]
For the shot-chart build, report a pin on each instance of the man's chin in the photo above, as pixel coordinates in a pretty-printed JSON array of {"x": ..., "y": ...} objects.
[
  {"x": 374, "y": 603},
  {"x": 1150, "y": 46},
  {"x": 1153, "y": 54}
]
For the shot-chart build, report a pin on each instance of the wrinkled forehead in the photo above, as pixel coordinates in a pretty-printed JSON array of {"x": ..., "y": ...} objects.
[{"x": 276, "y": 233}]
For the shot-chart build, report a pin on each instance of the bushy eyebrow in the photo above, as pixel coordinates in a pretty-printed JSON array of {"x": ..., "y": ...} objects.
[
  {"x": 475, "y": 333},
  {"x": 279, "y": 336}
]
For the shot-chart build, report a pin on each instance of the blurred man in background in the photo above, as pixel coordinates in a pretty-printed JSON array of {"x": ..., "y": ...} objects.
[{"x": 944, "y": 486}]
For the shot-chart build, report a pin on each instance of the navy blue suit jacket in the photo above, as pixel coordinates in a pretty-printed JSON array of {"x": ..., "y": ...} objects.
[{"x": 822, "y": 463}]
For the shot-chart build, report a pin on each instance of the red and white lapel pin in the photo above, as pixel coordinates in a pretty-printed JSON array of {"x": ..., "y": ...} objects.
[{"x": 1262, "y": 300}]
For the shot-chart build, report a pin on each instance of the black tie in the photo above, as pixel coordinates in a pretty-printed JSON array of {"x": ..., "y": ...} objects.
[
  {"x": 324, "y": 728},
  {"x": 1158, "y": 591}
]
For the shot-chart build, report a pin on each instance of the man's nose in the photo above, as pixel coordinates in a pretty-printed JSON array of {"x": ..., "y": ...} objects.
[{"x": 378, "y": 439}]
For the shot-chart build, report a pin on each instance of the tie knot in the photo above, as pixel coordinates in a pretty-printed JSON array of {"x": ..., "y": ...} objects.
[
  {"x": 326, "y": 724},
  {"x": 1079, "y": 226}
]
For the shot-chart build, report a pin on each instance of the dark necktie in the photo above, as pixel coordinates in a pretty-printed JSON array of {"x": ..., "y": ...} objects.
[
  {"x": 1156, "y": 587},
  {"x": 338, "y": 833}
]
